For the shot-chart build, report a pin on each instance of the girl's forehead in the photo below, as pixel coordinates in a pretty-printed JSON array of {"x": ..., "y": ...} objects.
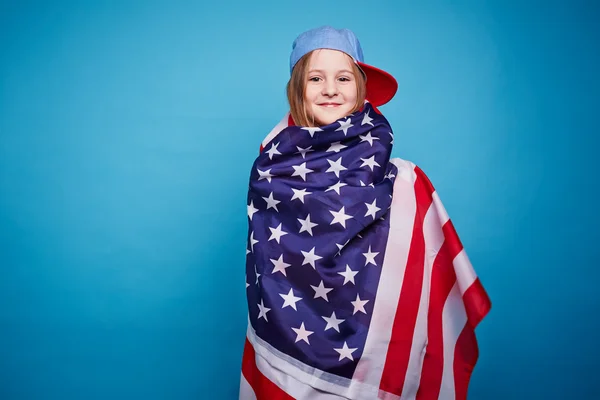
[{"x": 329, "y": 59}]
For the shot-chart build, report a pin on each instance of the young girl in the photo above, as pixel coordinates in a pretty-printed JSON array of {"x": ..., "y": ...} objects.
[{"x": 357, "y": 284}]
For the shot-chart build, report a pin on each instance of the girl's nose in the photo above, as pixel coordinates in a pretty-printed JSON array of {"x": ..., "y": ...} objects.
[{"x": 330, "y": 88}]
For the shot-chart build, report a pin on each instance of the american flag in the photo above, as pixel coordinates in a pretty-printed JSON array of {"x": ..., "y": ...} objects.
[{"x": 358, "y": 286}]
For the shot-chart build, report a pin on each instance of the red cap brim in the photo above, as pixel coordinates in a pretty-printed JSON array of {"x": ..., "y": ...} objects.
[{"x": 381, "y": 86}]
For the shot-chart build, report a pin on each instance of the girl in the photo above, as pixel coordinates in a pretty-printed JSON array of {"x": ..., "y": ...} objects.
[{"x": 357, "y": 284}]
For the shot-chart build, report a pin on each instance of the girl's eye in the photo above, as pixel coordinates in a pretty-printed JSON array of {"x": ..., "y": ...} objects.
[
  {"x": 344, "y": 79},
  {"x": 314, "y": 79}
]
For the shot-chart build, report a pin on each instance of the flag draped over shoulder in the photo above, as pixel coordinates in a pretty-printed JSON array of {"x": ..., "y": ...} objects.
[{"x": 358, "y": 286}]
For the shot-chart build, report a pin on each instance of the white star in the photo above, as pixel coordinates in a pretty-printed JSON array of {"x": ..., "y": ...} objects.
[
  {"x": 340, "y": 217},
  {"x": 271, "y": 202},
  {"x": 280, "y": 265},
  {"x": 273, "y": 150},
  {"x": 344, "y": 126},
  {"x": 263, "y": 311},
  {"x": 299, "y": 194},
  {"x": 307, "y": 225},
  {"x": 340, "y": 247},
  {"x": 277, "y": 233},
  {"x": 321, "y": 291},
  {"x": 251, "y": 209},
  {"x": 247, "y": 251},
  {"x": 372, "y": 209},
  {"x": 304, "y": 151},
  {"x": 333, "y": 322},
  {"x": 368, "y": 138},
  {"x": 359, "y": 305},
  {"x": 336, "y": 147},
  {"x": 348, "y": 275},
  {"x": 257, "y": 274},
  {"x": 312, "y": 130},
  {"x": 362, "y": 183},
  {"x": 247, "y": 284},
  {"x": 392, "y": 135},
  {"x": 301, "y": 170},
  {"x": 252, "y": 241},
  {"x": 370, "y": 257},
  {"x": 346, "y": 352},
  {"x": 370, "y": 162},
  {"x": 367, "y": 120},
  {"x": 302, "y": 333},
  {"x": 265, "y": 175},
  {"x": 310, "y": 257},
  {"x": 290, "y": 300},
  {"x": 336, "y": 167},
  {"x": 337, "y": 187}
]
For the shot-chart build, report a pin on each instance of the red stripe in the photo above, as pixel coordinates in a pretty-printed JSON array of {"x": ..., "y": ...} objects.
[
  {"x": 263, "y": 388},
  {"x": 442, "y": 281},
  {"x": 396, "y": 363},
  {"x": 477, "y": 303},
  {"x": 466, "y": 353}
]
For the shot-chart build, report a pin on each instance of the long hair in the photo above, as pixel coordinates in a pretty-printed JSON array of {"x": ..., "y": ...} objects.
[{"x": 296, "y": 87}]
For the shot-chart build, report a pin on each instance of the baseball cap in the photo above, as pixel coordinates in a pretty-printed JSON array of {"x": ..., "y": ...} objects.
[{"x": 381, "y": 86}]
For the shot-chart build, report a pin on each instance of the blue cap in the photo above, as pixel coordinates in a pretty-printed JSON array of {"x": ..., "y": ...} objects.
[
  {"x": 326, "y": 37},
  {"x": 381, "y": 86}
]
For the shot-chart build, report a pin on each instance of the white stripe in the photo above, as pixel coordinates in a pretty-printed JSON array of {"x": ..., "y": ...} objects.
[
  {"x": 246, "y": 392},
  {"x": 300, "y": 380},
  {"x": 275, "y": 131},
  {"x": 454, "y": 319},
  {"x": 443, "y": 215},
  {"x": 434, "y": 238},
  {"x": 372, "y": 361},
  {"x": 465, "y": 274}
]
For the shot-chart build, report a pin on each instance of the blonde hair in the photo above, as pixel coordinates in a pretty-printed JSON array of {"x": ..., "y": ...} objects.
[{"x": 296, "y": 87}]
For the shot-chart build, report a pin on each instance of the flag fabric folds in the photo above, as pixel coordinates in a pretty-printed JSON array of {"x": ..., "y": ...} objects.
[{"x": 358, "y": 286}]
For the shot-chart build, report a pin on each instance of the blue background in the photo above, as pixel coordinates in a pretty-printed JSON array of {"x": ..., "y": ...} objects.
[{"x": 127, "y": 131}]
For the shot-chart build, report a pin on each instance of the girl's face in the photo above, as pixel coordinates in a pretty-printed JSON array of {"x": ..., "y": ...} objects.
[{"x": 331, "y": 91}]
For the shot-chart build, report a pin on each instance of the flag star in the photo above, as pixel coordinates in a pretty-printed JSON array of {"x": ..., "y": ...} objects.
[
  {"x": 346, "y": 352},
  {"x": 370, "y": 257},
  {"x": 257, "y": 274},
  {"x": 359, "y": 305},
  {"x": 341, "y": 246},
  {"x": 247, "y": 251},
  {"x": 303, "y": 152},
  {"x": 321, "y": 291},
  {"x": 301, "y": 170},
  {"x": 271, "y": 202},
  {"x": 336, "y": 167},
  {"x": 280, "y": 265},
  {"x": 367, "y": 120},
  {"x": 302, "y": 333},
  {"x": 344, "y": 126},
  {"x": 362, "y": 183},
  {"x": 251, "y": 209},
  {"x": 273, "y": 150},
  {"x": 247, "y": 284},
  {"x": 348, "y": 275},
  {"x": 290, "y": 300},
  {"x": 333, "y": 322},
  {"x": 262, "y": 313},
  {"x": 299, "y": 194},
  {"x": 306, "y": 225},
  {"x": 310, "y": 257},
  {"x": 372, "y": 209},
  {"x": 265, "y": 175},
  {"x": 370, "y": 162},
  {"x": 336, "y": 147},
  {"x": 337, "y": 187},
  {"x": 312, "y": 130},
  {"x": 392, "y": 135},
  {"x": 252, "y": 241},
  {"x": 340, "y": 217},
  {"x": 368, "y": 138},
  {"x": 277, "y": 233}
]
